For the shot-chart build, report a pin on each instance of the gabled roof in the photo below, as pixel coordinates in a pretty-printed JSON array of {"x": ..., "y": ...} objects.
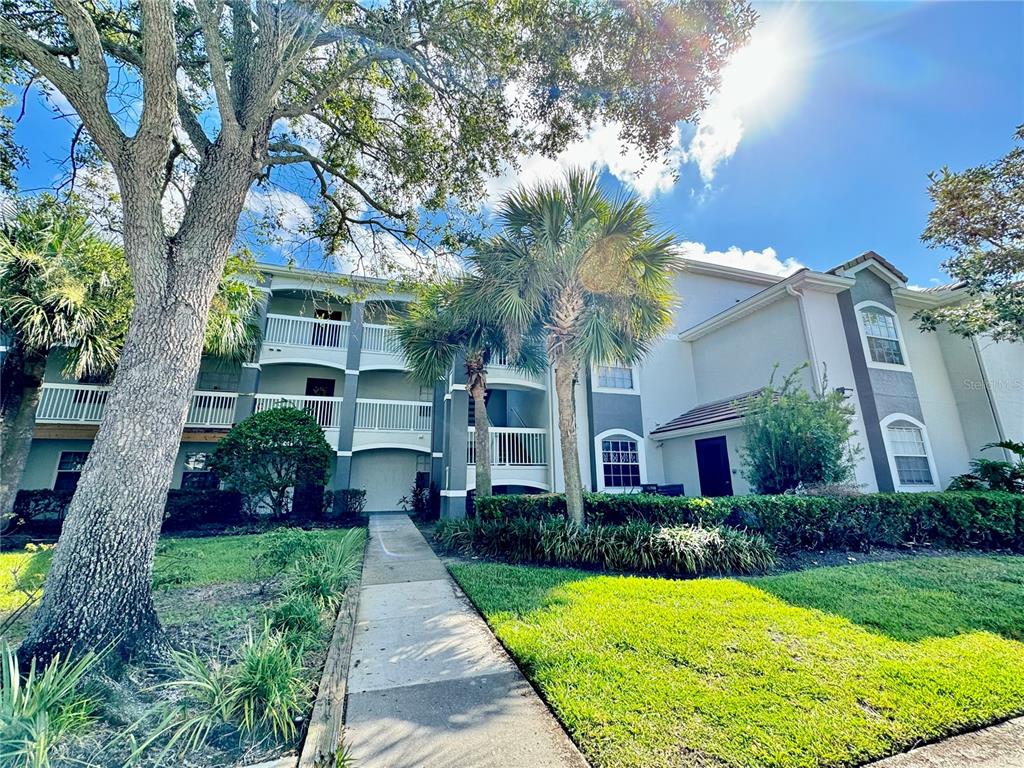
[
  {"x": 943, "y": 288},
  {"x": 869, "y": 256},
  {"x": 720, "y": 411}
]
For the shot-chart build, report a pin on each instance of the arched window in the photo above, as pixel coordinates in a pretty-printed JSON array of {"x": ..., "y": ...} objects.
[
  {"x": 909, "y": 452},
  {"x": 881, "y": 333},
  {"x": 620, "y": 462}
]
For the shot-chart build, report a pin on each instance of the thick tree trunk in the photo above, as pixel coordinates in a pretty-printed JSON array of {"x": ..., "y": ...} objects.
[
  {"x": 483, "y": 438},
  {"x": 565, "y": 380},
  {"x": 99, "y": 588},
  {"x": 18, "y": 428}
]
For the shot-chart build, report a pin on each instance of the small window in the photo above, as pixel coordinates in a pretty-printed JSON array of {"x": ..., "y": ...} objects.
[
  {"x": 621, "y": 461},
  {"x": 196, "y": 474},
  {"x": 615, "y": 377},
  {"x": 882, "y": 336},
  {"x": 910, "y": 454},
  {"x": 69, "y": 470}
]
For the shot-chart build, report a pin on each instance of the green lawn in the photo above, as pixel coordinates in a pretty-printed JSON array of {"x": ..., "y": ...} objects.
[
  {"x": 195, "y": 562},
  {"x": 827, "y": 667}
]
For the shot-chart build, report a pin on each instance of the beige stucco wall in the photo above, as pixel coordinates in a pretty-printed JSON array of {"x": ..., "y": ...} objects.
[
  {"x": 679, "y": 459},
  {"x": 386, "y": 476}
]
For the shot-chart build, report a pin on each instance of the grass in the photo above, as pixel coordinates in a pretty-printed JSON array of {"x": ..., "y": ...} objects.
[
  {"x": 193, "y": 562},
  {"x": 828, "y": 667}
]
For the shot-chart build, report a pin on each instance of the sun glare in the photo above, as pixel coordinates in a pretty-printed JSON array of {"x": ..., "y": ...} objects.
[{"x": 763, "y": 77}]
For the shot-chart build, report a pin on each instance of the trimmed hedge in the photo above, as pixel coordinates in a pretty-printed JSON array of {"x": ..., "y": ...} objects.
[
  {"x": 43, "y": 510},
  {"x": 960, "y": 519},
  {"x": 634, "y": 546}
]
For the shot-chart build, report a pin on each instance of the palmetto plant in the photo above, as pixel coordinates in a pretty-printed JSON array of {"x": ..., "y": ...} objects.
[
  {"x": 64, "y": 285},
  {"x": 453, "y": 320},
  {"x": 592, "y": 272}
]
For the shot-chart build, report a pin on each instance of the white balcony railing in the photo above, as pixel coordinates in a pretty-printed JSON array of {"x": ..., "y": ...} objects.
[
  {"x": 84, "y": 404},
  {"x": 306, "y": 332},
  {"x": 380, "y": 338},
  {"x": 326, "y": 410},
  {"x": 393, "y": 415},
  {"x": 512, "y": 446}
]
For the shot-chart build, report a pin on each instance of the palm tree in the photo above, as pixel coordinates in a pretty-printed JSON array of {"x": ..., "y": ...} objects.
[
  {"x": 592, "y": 271},
  {"x": 449, "y": 320},
  {"x": 63, "y": 285}
]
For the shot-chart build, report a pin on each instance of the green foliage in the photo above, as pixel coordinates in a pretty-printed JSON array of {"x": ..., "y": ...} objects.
[
  {"x": 324, "y": 574},
  {"x": 39, "y": 710},
  {"x": 979, "y": 215},
  {"x": 652, "y": 673},
  {"x": 634, "y": 546},
  {"x": 984, "y": 520},
  {"x": 298, "y": 617},
  {"x": 994, "y": 475},
  {"x": 270, "y": 452},
  {"x": 350, "y": 502},
  {"x": 795, "y": 437}
]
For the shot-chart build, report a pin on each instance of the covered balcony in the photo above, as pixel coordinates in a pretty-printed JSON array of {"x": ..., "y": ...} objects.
[
  {"x": 84, "y": 404},
  {"x": 392, "y": 424},
  {"x": 294, "y": 339},
  {"x": 519, "y": 456},
  {"x": 326, "y": 410}
]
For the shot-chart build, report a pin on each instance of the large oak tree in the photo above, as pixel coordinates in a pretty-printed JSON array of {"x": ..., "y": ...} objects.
[{"x": 394, "y": 108}]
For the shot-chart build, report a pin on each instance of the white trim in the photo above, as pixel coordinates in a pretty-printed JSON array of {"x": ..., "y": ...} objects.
[
  {"x": 454, "y": 387},
  {"x": 540, "y": 486},
  {"x": 350, "y": 372},
  {"x": 641, "y": 450},
  {"x": 344, "y": 453},
  {"x": 257, "y": 366},
  {"x": 712, "y": 269},
  {"x": 864, "y": 336},
  {"x": 384, "y": 366},
  {"x": 878, "y": 269},
  {"x": 634, "y": 390},
  {"x": 454, "y": 494},
  {"x": 399, "y": 446},
  {"x": 916, "y": 487},
  {"x": 437, "y": 454},
  {"x": 325, "y": 363}
]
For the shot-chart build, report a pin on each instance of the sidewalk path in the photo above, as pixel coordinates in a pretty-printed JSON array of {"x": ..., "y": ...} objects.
[
  {"x": 428, "y": 685},
  {"x": 1001, "y": 746}
]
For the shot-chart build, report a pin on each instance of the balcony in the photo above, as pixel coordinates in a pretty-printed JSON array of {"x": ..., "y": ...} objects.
[
  {"x": 292, "y": 339},
  {"x": 381, "y": 350},
  {"x": 500, "y": 374},
  {"x": 519, "y": 456},
  {"x": 84, "y": 404},
  {"x": 392, "y": 424}
]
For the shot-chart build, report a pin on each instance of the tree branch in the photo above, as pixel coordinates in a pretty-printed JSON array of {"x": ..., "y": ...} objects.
[
  {"x": 210, "y": 19},
  {"x": 159, "y": 65}
]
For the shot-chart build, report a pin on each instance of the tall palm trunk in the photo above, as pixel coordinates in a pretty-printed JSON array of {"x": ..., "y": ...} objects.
[
  {"x": 477, "y": 385},
  {"x": 99, "y": 587},
  {"x": 18, "y": 428},
  {"x": 565, "y": 380}
]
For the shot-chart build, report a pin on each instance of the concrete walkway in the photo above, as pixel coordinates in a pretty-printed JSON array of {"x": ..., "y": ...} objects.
[
  {"x": 428, "y": 685},
  {"x": 1001, "y": 746}
]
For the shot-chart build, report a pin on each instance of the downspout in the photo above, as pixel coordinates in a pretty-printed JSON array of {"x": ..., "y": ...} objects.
[
  {"x": 808, "y": 341},
  {"x": 988, "y": 395}
]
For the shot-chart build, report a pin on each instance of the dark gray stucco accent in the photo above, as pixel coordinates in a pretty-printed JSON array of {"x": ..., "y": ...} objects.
[
  {"x": 589, "y": 383},
  {"x": 456, "y": 437},
  {"x": 350, "y": 392},
  {"x": 865, "y": 394},
  {"x": 437, "y": 436},
  {"x": 871, "y": 287},
  {"x": 249, "y": 379},
  {"x": 895, "y": 392}
]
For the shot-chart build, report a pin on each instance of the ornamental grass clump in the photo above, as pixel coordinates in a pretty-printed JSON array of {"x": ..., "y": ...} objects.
[{"x": 633, "y": 546}]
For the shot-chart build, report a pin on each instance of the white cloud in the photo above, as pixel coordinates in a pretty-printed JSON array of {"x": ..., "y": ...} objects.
[
  {"x": 766, "y": 261},
  {"x": 287, "y": 208}
]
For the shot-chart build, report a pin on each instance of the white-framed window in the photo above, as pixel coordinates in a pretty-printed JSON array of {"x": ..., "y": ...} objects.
[
  {"x": 69, "y": 470},
  {"x": 615, "y": 378},
  {"x": 621, "y": 460},
  {"x": 196, "y": 473},
  {"x": 620, "y": 463},
  {"x": 880, "y": 333},
  {"x": 910, "y": 454}
]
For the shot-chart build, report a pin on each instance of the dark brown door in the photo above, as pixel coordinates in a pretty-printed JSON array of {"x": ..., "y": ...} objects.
[
  {"x": 326, "y": 334},
  {"x": 713, "y": 467},
  {"x": 323, "y": 411}
]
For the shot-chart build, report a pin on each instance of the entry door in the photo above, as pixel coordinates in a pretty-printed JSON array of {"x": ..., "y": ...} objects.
[
  {"x": 713, "y": 467},
  {"x": 323, "y": 411}
]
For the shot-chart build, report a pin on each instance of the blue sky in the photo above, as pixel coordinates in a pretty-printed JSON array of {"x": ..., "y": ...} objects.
[{"x": 820, "y": 145}]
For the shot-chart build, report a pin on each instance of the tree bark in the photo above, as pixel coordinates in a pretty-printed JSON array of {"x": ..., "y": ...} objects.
[
  {"x": 483, "y": 437},
  {"x": 565, "y": 380},
  {"x": 18, "y": 428},
  {"x": 99, "y": 588}
]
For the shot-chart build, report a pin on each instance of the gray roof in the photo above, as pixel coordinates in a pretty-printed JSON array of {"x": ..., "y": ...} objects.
[
  {"x": 729, "y": 409},
  {"x": 868, "y": 256}
]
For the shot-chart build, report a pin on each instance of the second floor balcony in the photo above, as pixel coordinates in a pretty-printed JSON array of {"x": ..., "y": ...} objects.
[
  {"x": 294, "y": 339},
  {"x": 85, "y": 403}
]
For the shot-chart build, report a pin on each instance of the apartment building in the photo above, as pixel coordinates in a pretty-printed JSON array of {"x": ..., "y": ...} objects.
[{"x": 925, "y": 403}]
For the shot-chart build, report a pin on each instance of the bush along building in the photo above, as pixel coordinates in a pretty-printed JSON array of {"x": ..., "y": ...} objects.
[{"x": 924, "y": 403}]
